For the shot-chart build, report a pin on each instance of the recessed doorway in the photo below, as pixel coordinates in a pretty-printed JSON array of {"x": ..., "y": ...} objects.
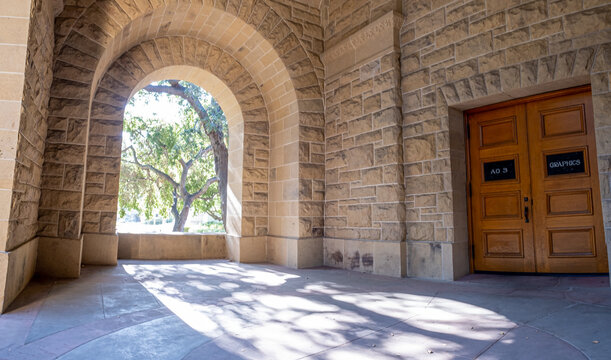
[{"x": 534, "y": 195}]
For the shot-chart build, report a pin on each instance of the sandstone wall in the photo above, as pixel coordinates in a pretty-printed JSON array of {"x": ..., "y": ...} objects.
[
  {"x": 26, "y": 58},
  {"x": 32, "y": 126},
  {"x": 364, "y": 210},
  {"x": 376, "y": 166},
  {"x": 464, "y": 54},
  {"x": 341, "y": 19},
  {"x": 304, "y": 17}
]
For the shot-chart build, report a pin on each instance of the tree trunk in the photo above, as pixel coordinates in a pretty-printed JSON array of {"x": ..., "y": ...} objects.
[
  {"x": 180, "y": 219},
  {"x": 217, "y": 139},
  {"x": 220, "y": 166}
]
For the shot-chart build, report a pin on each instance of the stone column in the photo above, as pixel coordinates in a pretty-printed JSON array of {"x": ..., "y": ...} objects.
[
  {"x": 601, "y": 102},
  {"x": 25, "y": 80},
  {"x": 364, "y": 210}
]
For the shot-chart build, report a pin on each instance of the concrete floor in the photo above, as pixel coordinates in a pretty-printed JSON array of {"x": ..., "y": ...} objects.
[{"x": 223, "y": 310}]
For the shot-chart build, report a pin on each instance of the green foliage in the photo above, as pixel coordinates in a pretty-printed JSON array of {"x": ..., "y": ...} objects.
[
  {"x": 207, "y": 227},
  {"x": 163, "y": 145}
]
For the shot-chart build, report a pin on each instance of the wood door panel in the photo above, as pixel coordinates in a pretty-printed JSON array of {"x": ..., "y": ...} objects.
[
  {"x": 564, "y": 121},
  {"x": 576, "y": 242},
  {"x": 498, "y": 132},
  {"x": 569, "y": 203},
  {"x": 502, "y": 244},
  {"x": 501, "y": 206},
  {"x": 552, "y": 145},
  {"x": 567, "y": 212},
  {"x": 502, "y": 240}
]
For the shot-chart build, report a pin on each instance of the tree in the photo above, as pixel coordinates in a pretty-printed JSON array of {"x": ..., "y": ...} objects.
[{"x": 180, "y": 166}]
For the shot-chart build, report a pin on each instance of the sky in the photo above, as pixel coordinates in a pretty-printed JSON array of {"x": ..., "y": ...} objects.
[{"x": 165, "y": 107}]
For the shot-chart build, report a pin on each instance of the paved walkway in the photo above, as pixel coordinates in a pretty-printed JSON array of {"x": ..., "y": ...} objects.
[{"x": 223, "y": 310}]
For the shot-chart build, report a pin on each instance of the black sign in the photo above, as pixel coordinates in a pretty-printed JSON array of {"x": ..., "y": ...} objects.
[
  {"x": 566, "y": 163},
  {"x": 500, "y": 170}
]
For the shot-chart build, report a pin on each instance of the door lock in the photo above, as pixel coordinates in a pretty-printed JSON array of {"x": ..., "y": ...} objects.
[{"x": 526, "y": 209}]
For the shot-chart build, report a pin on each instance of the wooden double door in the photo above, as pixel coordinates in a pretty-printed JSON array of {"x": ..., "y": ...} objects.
[{"x": 534, "y": 191}]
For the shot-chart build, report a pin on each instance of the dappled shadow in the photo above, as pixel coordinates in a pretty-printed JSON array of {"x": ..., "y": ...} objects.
[
  {"x": 266, "y": 311},
  {"x": 242, "y": 311}
]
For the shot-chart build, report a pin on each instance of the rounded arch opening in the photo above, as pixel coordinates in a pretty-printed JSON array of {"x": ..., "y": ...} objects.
[{"x": 235, "y": 121}]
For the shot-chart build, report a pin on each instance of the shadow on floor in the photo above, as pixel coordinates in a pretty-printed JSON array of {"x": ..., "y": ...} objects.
[{"x": 223, "y": 310}]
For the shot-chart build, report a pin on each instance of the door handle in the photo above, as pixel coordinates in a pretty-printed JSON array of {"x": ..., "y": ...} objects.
[{"x": 526, "y": 210}]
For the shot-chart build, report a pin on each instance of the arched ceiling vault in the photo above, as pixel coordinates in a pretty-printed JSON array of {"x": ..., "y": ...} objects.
[{"x": 91, "y": 35}]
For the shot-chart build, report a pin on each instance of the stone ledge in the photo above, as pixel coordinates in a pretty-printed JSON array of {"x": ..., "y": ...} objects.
[
  {"x": 16, "y": 269},
  {"x": 100, "y": 249},
  {"x": 247, "y": 249},
  {"x": 375, "y": 38},
  {"x": 375, "y": 257},
  {"x": 171, "y": 246},
  {"x": 59, "y": 257},
  {"x": 444, "y": 260},
  {"x": 297, "y": 253}
]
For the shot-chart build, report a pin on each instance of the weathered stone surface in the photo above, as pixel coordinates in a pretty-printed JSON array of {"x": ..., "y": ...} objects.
[
  {"x": 527, "y": 14},
  {"x": 528, "y": 51},
  {"x": 420, "y": 148},
  {"x": 415, "y": 80},
  {"x": 453, "y": 33},
  {"x": 587, "y": 21},
  {"x": 359, "y": 215},
  {"x": 360, "y": 157},
  {"x": 474, "y": 46},
  {"x": 420, "y": 231},
  {"x": 424, "y": 184}
]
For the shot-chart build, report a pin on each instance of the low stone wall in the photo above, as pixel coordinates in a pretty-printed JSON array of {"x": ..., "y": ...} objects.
[
  {"x": 172, "y": 246},
  {"x": 16, "y": 269}
]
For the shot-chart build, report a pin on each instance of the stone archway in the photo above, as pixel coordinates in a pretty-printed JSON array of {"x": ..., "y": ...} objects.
[
  {"x": 249, "y": 139},
  {"x": 104, "y": 42}
]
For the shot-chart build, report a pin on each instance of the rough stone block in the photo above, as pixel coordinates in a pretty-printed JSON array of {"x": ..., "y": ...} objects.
[
  {"x": 527, "y": 14},
  {"x": 474, "y": 46},
  {"x": 415, "y": 80},
  {"x": 587, "y": 21},
  {"x": 359, "y": 215},
  {"x": 453, "y": 33},
  {"x": 420, "y": 231},
  {"x": 528, "y": 51},
  {"x": 420, "y": 148},
  {"x": 360, "y": 157}
]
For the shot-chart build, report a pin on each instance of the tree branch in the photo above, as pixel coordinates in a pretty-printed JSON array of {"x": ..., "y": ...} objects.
[
  {"x": 178, "y": 90},
  {"x": 214, "y": 216},
  {"x": 163, "y": 175},
  {"x": 204, "y": 188},
  {"x": 200, "y": 154}
]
